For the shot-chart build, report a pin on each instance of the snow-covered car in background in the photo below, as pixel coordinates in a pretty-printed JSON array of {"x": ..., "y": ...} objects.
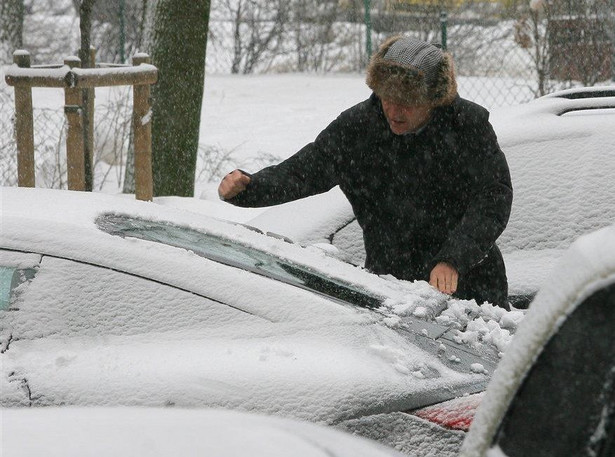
[
  {"x": 109, "y": 301},
  {"x": 163, "y": 432},
  {"x": 561, "y": 153},
  {"x": 553, "y": 394}
]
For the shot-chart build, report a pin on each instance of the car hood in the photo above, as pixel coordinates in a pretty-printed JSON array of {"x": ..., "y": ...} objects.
[{"x": 315, "y": 374}]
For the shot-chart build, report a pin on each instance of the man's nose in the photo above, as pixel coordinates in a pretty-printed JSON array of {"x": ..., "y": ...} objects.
[{"x": 396, "y": 109}]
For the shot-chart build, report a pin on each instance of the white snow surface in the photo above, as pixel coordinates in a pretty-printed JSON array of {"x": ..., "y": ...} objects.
[
  {"x": 276, "y": 348},
  {"x": 542, "y": 225},
  {"x": 586, "y": 266},
  {"x": 562, "y": 168},
  {"x": 157, "y": 432}
]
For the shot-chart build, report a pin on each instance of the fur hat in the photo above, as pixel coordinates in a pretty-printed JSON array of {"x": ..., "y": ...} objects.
[{"x": 412, "y": 72}]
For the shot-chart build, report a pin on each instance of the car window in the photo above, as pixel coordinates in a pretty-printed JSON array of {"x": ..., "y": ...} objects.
[
  {"x": 10, "y": 279},
  {"x": 230, "y": 252},
  {"x": 16, "y": 268},
  {"x": 8, "y": 282},
  {"x": 589, "y": 111},
  {"x": 69, "y": 298}
]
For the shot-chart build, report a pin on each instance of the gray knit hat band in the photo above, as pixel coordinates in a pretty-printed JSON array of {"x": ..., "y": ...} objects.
[{"x": 416, "y": 54}]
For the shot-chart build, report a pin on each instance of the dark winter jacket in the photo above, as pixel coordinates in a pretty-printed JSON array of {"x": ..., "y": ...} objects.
[{"x": 442, "y": 194}]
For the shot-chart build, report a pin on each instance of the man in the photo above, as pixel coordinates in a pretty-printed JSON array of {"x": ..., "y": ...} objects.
[{"x": 421, "y": 168}]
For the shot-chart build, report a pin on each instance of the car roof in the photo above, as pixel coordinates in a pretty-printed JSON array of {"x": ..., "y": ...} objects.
[{"x": 127, "y": 432}]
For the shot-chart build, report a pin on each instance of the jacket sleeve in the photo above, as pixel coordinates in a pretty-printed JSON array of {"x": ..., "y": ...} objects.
[
  {"x": 310, "y": 171},
  {"x": 490, "y": 200}
]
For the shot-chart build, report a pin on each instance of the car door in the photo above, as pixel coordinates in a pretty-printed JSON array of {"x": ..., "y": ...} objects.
[
  {"x": 53, "y": 308},
  {"x": 566, "y": 403}
]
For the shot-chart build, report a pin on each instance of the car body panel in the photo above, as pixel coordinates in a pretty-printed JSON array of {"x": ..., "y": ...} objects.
[
  {"x": 119, "y": 320},
  {"x": 588, "y": 267}
]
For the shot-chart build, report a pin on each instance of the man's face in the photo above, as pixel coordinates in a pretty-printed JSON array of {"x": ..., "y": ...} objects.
[{"x": 405, "y": 118}]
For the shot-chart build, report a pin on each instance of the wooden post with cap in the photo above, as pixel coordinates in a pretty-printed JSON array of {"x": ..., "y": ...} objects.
[
  {"x": 142, "y": 125},
  {"x": 24, "y": 126},
  {"x": 75, "y": 154},
  {"x": 75, "y": 80}
]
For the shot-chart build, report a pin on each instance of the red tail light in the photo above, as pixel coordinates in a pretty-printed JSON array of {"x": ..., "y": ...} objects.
[{"x": 456, "y": 414}]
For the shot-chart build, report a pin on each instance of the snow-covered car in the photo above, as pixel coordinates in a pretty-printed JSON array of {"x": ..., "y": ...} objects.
[
  {"x": 163, "y": 432},
  {"x": 560, "y": 149},
  {"x": 553, "y": 393},
  {"x": 109, "y": 301}
]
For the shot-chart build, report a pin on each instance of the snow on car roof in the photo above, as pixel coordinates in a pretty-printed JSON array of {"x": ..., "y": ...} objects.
[
  {"x": 562, "y": 163},
  {"x": 129, "y": 432},
  {"x": 562, "y": 168}
]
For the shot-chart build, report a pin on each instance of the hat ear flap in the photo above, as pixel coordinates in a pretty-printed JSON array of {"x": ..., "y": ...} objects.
[{"x": 445, "y": 86}]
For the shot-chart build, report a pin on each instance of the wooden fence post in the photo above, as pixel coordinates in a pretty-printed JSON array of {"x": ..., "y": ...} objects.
[
  {"x": 73, "y": 109},
  {"x": 89, "y": 96},
  {"x": 142, "y": 124},
  {"x": 24, "y": 126}
]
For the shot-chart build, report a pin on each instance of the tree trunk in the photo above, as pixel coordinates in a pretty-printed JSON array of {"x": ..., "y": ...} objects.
[
  {"x": 178, "y": 47},
  {"x": 11, "y": 28}
]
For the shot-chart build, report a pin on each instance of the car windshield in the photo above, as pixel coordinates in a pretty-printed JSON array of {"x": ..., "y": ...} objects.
[
  {"x": 232, "y": 253},
  {"x": 429, "y": 336}
]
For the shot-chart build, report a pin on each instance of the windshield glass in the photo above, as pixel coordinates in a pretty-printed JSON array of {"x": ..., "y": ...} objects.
[
  {"x": 429, "y": 336},
  {"x": 232, "y": 253}
]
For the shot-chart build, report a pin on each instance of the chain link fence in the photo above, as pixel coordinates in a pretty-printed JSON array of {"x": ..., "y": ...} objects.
[
  {"x": 111, "y": 140},
  {"x": 506, "y": 52},
  {"x": 503, "y": 57},
  {"x": 49, "y": 144}
]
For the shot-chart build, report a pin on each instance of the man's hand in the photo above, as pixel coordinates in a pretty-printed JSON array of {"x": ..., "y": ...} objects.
[
  {"x": 232, "y": 184},
  {"x": 444, "y": 277}
]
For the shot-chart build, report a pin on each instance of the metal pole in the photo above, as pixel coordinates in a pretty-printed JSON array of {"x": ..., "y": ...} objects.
[
  {"x": 443, "y": 28},
  {"x": 368, "y": 27},
  {"x": 122, "y": 44}
]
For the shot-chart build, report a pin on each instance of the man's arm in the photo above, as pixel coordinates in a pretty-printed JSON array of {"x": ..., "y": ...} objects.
[
  {"x": 489, "y": 209},
  {"x": 310, "y": 171}
]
